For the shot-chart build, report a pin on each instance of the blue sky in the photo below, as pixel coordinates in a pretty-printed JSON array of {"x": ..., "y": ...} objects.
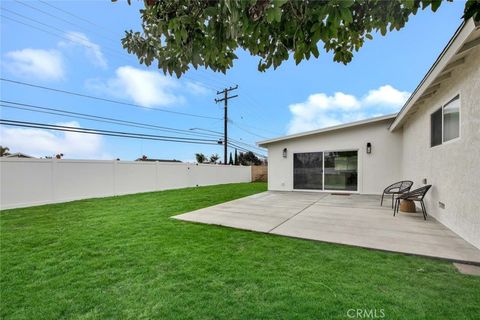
[{"x": 87, "y": 57}]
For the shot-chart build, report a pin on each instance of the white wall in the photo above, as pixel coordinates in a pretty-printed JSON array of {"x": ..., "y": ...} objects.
[
  {"x": 28, "y": 182},
  {"x": 376, "y": 170},
  {"x": 453, "y": 169}
]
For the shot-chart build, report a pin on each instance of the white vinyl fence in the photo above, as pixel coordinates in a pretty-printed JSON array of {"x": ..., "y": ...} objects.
[{"x": 29, "y": 182}]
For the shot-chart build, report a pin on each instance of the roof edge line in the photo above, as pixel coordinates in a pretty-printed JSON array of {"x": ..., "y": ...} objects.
[
  {"x": 327, "y": 129},
  {"x": 401, "y": 114}
]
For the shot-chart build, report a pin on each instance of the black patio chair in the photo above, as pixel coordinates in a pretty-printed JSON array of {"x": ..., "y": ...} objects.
[
  {"x": 397, "y": 188},
  {"x": 415, "y": 195}
]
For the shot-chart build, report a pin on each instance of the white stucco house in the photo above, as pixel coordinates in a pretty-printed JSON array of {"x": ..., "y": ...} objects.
[{"x": 434, "y": 139}]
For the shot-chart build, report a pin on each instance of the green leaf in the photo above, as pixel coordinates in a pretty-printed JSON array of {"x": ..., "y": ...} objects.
[
  {"x": 315, "y": 51},
  {"x": 346, "y": 15},
  {"x": 210, "y": 11},
  {"x": 184, "y": 34},
  {"x": 270, "y": 15},
  {"x": 409, "y": 3},
  {"x": 472, "y": 9},
  {"x": 279, "y": 3},
  {"x": 436, "y": 4},
  {"x": 346, "y": 3},
  {"x": 383, "y": 30},
  {"x": 274, "y": 14},
  {"x": 217, "y": 29},
  {"x": 298, "y": 55},
  {"x": 278, "y": 14}
]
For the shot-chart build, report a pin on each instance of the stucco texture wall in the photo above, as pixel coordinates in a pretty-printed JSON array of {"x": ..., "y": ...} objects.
[
  {"x": 453, "y": 168},
  {"x": 376, "y": 170}
]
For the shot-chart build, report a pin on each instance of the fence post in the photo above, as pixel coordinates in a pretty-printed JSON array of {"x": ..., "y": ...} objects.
[
  {"x": 157, "y": 176},
  {"x": 52, "y": 180},
  {"x": 115, "y": 177}
]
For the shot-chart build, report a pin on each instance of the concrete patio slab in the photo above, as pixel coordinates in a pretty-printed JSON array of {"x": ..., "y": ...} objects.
[
  {"x": 261, "y": 212},
  {"x": 467, "y": 269},
  {"x": 354, "y": 219}
]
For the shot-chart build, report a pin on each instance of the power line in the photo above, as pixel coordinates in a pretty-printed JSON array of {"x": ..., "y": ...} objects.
[
  {"x": 118, "y": 54},
  {"x": 90, "y": 117},
  {"x": 74, "y": 15},
  {"x": 97, "y": 26},
  {"x": 120, "y": 133},
  {"x": 238, "y": 145},
  {"x": 225, "y": 117},
  {"x": 247, "y": 145},
  {"x": 106, "y": 100},
  {"x": 247, "y": 131},
  {"x": 77, "y": 115},
  {"x": 105, "y": 132},
  {"x": 56, "y": 35},
  {"x": 257, "y": 128},
  {"x": 33, "y": 27},
  {"x": 61, "y": 19},
  {"x": 258, "y": 111},
  {"x": 73, "y": 37},
  {"x": 220, "y": 134},
  {"x": 247, "y": 150},
  {"x": 210, "y": 78}
]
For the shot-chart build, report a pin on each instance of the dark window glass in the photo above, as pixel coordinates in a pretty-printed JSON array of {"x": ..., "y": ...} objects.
[
  {"x": 436, "y": 128},
  {"x": 307, "y": 170},
  {"x": 341, "y": 170}
]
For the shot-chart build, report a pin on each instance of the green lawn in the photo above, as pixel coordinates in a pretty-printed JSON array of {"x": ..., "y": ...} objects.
[{"x": 123, "y": 258}]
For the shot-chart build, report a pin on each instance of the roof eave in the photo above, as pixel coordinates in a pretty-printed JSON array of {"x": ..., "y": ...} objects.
[
  {"x": 324, "y": 130},
  {"x": 452, "y": 47}
]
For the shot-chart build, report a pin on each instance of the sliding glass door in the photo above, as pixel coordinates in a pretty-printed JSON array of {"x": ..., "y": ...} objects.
[
  {"x": 332, "y": 170},
  {"x": 308, "y": 170},
  {"x": 340, "y": 169}
]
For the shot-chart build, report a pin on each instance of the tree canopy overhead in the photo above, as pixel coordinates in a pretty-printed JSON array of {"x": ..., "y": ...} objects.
[{"x": 180, "y": 34}]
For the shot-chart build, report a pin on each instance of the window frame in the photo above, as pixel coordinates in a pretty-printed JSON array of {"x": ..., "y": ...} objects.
[
  {"x": 441, "y": 127},
  {"x": 442, "y": 107}
]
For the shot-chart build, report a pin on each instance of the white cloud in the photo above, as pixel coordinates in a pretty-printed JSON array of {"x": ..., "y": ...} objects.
[
  {"x": 49, "y": 64},
  {"x": 387, "y": 96},
  {"x": 321, "y": 110},
  {"x": 146, "y": 88},
  {"x": 92, "y": 50},
  {"x": 196, "y": 88},
  {"x": 35, "y": 63},
  {"x": 40, "y": 143}
]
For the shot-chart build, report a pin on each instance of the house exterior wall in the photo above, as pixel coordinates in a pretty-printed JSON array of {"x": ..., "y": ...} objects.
[
  {"x": 375, "y": 171},
  {"x": 453, "y": 168}
]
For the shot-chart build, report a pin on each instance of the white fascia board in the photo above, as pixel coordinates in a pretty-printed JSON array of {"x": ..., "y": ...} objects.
[
  {"x": 450, "y": 50},
  {"x": 337, "y": 127}
]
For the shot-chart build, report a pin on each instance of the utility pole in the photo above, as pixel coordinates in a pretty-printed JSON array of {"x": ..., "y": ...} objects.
[{"x": 225, "y": 117}]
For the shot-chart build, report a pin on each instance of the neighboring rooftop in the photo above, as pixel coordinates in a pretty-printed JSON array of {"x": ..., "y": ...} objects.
[
  {"x": 157, "y": 160},
  {"x": 18, "y": 155}
]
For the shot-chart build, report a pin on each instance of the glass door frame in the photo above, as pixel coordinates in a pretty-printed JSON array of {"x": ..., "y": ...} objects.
[{"x": 323, "y": 171}]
